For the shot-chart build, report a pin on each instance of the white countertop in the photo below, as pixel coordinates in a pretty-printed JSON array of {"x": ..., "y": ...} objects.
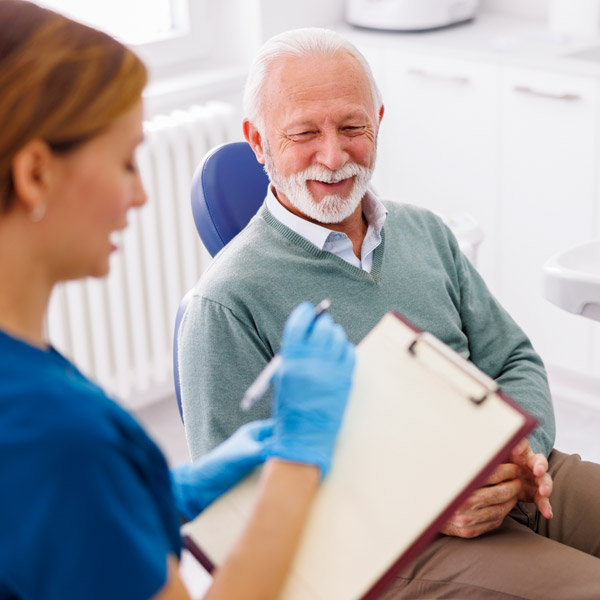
[{"x": 494, "y": 39}]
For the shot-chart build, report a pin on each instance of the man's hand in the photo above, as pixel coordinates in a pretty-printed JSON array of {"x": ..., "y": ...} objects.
[
  {"x": 537, "y": 483},
  {"x": 524, "y": 479},
  {"x": 486, "y": 508}
]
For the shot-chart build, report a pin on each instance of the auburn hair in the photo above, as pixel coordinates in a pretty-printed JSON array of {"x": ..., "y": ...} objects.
[{"x": 60, "y": 81}]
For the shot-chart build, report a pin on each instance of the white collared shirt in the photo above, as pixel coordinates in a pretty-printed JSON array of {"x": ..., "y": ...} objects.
[{"x": 334, "y": 241}]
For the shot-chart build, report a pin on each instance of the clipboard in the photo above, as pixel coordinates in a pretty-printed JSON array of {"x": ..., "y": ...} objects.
[{"x": 404, "y": 462}]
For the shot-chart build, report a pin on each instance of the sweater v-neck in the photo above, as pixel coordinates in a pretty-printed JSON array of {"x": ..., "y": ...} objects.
[{"x": 301, "y": 242}]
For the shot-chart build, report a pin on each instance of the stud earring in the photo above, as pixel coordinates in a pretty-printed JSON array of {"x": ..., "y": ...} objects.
[{"x": 37, "y": 214}]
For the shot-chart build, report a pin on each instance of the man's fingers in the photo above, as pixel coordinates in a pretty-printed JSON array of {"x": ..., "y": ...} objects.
[
  {"x": 503, "y": 472},
  {"x": 538, "y": 465},
  {"x": 499, "y": 493},
  {"x": 536, "y": 482},
  {"x": 471, "y": 531},
  {"x": 523, "y": 455},
  {"x": 544, "y": 506},
  {"x": 491, "y": 496},
  {"x": 475, "y": 522},
  {"x": 520, "y": 450},
  {"x": 544, "y": 485}
]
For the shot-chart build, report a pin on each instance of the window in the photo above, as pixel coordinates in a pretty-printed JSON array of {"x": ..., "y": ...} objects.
[
  {"x": 163, "y": 32},
  {"x": 131, "y": 21}
]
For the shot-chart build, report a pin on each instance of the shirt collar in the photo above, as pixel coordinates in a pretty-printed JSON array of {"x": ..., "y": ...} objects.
[{"x": 374, "y": 211}]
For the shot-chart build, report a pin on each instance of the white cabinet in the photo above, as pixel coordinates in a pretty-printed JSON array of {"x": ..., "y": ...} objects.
[
  {"x": 519, "y": 149},
  {"x": 438, "y": 143},
  {"x": 547, "y": 177}
]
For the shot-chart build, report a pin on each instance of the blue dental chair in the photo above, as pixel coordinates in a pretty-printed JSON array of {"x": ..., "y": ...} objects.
[{"x": 228, "y": 188}]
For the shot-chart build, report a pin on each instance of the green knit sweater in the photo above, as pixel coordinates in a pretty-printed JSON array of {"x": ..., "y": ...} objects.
[{"x": 234, "y": 321}]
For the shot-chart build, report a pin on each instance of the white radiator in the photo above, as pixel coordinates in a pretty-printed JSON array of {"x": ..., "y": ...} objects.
[{"x": 119, "y": 330}]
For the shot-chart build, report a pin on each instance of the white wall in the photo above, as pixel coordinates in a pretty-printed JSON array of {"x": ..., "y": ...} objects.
[
  {"x": 236, "y": 30},
  {"x": 238, "y": 27},
  {"x": 278, "y": 16}
]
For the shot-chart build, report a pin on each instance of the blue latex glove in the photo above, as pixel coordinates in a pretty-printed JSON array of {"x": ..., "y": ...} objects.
[
  {"x": 311, "y": 388},
  {"x": 195, "y": 485}
]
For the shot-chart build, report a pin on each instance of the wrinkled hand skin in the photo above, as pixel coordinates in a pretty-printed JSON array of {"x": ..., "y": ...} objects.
[{"x": 524, "y": 479}]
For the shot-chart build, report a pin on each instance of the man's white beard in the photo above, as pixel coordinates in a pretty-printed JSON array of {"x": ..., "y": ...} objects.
[{"x": 331, "y": 209}]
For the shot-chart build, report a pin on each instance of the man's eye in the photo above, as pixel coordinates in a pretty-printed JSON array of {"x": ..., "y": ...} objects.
[
  {"x": 354, "y": 129},
  {"x": 303, "y": 135}
]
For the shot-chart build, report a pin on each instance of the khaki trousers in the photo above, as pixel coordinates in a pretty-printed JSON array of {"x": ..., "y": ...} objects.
[{"x": 528, "y": 557}]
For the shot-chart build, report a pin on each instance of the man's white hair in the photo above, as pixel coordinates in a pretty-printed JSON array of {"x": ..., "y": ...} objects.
[{"x": 304, "y": 42}]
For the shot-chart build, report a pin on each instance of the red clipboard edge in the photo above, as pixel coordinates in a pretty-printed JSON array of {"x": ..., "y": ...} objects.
[
  {"x": 433, "y": 530},
  {"x": 198, "y": 554}
]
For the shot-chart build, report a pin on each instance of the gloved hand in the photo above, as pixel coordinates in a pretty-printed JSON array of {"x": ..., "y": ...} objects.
[
  {"x": 195, "y": 485},
  {"x": 311, "y": 388}
]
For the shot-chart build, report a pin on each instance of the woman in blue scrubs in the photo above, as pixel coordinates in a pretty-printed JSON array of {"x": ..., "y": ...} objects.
[{"x": 88, "y": 507}]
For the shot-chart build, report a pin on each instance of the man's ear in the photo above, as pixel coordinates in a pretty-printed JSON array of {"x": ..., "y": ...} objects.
[
  {"x": 254, "y": 138},
  {"x": 31, "y": 173},
  {"x": 381, "y": 111}
]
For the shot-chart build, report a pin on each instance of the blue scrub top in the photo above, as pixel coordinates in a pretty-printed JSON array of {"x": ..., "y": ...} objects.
[{"x": 86, "y": 509}]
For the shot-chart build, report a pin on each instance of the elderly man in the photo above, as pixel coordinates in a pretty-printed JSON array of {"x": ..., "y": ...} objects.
[{"x": 312, "y": 116}]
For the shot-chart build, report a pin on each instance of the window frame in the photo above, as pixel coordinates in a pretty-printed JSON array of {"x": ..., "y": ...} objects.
[{"x": 188, "y": 44}]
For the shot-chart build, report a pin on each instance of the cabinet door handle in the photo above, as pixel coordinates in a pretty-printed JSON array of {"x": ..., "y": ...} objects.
[
  {"x": 457, "y": 79},
  {"x": 523, "y": 89}
]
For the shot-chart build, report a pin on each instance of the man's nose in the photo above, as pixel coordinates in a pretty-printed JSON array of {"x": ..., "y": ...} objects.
[{"x": 332, "y": 153}]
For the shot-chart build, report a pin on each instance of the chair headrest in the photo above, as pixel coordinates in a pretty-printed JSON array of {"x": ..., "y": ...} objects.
[{"x": 228, "y": 188}]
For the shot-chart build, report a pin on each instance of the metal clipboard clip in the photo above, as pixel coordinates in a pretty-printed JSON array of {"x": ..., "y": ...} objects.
[{"x": 487, "y": 383}]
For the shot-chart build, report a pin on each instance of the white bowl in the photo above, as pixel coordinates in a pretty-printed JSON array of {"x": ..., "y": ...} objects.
[{"x": 571, "y": 279}]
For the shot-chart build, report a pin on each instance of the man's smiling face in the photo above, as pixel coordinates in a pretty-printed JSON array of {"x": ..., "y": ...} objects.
[{"x": 320, "y": 134}]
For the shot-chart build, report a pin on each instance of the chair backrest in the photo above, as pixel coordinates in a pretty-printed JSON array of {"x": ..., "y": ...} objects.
[{"x": 228, "y": 188}]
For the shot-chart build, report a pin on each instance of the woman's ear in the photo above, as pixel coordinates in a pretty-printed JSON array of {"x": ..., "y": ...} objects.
[
  {"x": 254, "y": 138},
  {"x": 32, "y": 175}
]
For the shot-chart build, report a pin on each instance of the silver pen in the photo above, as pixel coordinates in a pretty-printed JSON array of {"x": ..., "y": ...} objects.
[{"x": 261, "y": 384}]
